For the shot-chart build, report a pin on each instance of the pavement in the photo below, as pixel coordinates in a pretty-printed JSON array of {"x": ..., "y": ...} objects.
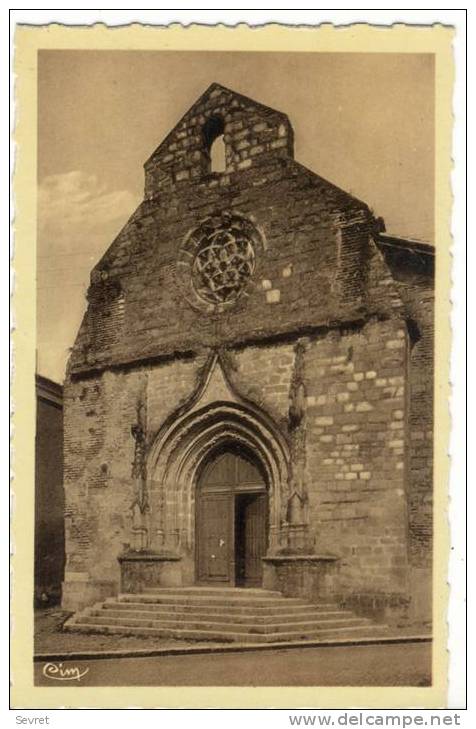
[
  {"x": 172, "y": 648},
  {"x": 396, "y": 663}
]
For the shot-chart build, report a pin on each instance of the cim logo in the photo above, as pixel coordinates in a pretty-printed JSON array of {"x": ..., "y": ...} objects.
[{"x": 58, "y": 672}]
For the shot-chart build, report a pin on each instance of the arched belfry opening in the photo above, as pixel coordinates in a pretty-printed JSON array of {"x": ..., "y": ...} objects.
[
  {"x": 214, "y": 142},
  {"x": 231, "y": 512}
]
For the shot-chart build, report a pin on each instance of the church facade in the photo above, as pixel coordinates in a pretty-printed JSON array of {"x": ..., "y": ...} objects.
[{"x": 249, "y": 398}]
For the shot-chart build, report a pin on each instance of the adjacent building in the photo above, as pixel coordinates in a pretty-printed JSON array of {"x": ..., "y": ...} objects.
[{"x": 49, "y": 494}]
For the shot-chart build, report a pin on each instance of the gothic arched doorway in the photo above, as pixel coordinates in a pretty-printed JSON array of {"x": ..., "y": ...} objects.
[{"x": 231, "y": 518}]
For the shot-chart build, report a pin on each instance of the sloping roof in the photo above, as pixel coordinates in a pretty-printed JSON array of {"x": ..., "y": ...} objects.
[
  {"x": 410, "y": 244},
  {"x": 405, "y": 254},
  {"x": 49, "y": 390}
]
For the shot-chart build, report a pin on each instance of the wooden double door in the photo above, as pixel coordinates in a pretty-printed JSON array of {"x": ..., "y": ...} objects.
[{"x": 231, "y": 521}]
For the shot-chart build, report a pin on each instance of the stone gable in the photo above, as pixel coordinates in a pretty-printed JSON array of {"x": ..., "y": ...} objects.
[{"x": 312, "y": 254}]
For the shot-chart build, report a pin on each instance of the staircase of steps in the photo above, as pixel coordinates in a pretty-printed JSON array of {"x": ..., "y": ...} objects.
[{"x": 220, "y": 615}]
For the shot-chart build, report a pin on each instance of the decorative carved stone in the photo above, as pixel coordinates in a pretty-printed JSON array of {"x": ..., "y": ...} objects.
[
  {"x": 222, "y": 266},
  {"x": 217, "y": 261},
  {"x": 140, "y": 505},
  {"x": 297, "y": 395},
  {"x": 215, "y": 413},
  {"x": 297, "y": 516}
]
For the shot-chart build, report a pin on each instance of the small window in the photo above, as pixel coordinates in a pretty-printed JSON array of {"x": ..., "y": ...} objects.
[
  {"x": 217, "y": 155},
  {"x": 214, "y": 143}
]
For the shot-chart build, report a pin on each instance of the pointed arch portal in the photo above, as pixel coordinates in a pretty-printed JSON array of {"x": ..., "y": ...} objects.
[{"x": 219, "y": 483}]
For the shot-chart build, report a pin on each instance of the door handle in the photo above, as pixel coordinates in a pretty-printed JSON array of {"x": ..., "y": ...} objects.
[{"x": 221, "y": 543}]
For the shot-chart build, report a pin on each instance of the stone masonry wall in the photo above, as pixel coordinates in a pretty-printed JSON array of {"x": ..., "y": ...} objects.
[
  {"x": 420, "y": 302},
  {"x": 356, "y": 432},
  {"x": 264, "y": 374},
  {"x": 354, "y": 451},
  {"x": 99, "y": 451},
  {"x": 419, "y": 297},
  {"x": 413, "y": 273},
  {"x": 98, "y": 492},
  {"x": 250, "y": 131},
  {"x": 295, "y": 284}
]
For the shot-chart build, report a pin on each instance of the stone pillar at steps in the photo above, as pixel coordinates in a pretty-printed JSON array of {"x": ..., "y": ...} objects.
[{"x": 149, "y": 569}]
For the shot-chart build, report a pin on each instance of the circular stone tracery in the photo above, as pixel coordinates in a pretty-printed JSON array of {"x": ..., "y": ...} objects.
[
  {"x": 217, "y": 260},
  {"x": 223, "y": 265}
]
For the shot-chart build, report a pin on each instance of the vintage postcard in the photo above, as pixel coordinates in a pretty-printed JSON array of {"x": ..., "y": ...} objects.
[{"x": 232, "y": 261}]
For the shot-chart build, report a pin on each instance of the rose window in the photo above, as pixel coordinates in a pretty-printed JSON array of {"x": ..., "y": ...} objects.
[
  {"x": 217, "y": 261},
  {"x": 223, "y": 265}
]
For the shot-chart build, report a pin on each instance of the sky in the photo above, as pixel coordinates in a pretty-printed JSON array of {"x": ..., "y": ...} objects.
[{"x": 363, "y": 121}]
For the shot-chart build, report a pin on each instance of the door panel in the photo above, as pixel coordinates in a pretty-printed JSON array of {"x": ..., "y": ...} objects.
[
  {"x": 255, "y": 538},
  {"x": 231, "y": 520},
  {"x": 214, "y": 537}
]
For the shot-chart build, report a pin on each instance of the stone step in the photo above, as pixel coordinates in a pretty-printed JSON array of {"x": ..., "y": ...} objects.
[
  {"x": 131, "y": 610},
  {"x": 219, "y": 615},
  {"x": 212, "y": 609},
  {"x": 229, "y": 637},
  {"x": 204, "y": 624},
  {"x": 198, "y": 591},
  {"x": 232, "y": 601}
]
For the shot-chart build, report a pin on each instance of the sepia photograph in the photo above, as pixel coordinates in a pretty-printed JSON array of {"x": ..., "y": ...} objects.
[{"x": 235, "y": 368}]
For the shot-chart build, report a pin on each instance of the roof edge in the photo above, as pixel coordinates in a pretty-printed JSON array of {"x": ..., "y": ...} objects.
[
  {"x": 340, "y": 190},
  {"x": 396, "y": 241}
]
